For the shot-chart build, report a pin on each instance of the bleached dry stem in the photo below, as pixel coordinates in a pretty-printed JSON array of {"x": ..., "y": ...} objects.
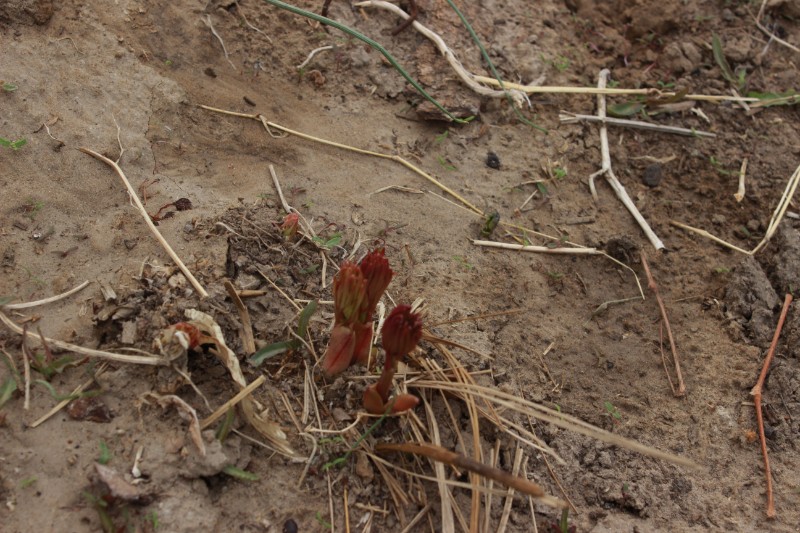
[
  {"x": 157, "y": 234},
  {"x": 537, "y": 249},
  {"x": 207, "y": 22},
  {"x": 777, "y": 216},
  {"x": 468, "y": 78},
  {"x": 51, "y": 299},
  {"x": 242, "y": 394},
  {"x": 311, "y": 55},
  {"x": 572, "y": 118},
  {"x": 606, "y": 169},
  {"x": 742, "y": 172},
  {"x": 537, "y": 89},
  {"x": 89, "y": 352}
]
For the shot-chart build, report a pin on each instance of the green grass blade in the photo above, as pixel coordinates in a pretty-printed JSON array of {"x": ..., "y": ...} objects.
[
  {"x": 238, "y": 473},
  {"x": 270, "y": 351},
  {"x": 305, "y": 317},
  {"x": 374, "y": 44}
]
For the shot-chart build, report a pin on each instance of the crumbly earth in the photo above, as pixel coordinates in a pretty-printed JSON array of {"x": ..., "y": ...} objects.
[{"x": 82, "y": 68}]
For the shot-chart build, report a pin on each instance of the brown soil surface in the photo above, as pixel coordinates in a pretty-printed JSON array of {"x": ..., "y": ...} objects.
[{"x": 79, "y": 67}]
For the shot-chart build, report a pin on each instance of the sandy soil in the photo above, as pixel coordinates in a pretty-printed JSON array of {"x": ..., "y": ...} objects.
[{"x": 82, "y": 68}]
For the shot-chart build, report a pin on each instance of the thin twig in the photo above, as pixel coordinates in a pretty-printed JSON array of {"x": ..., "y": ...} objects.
[
  {"x": 269, "y": 126},
  {"x": 573, "y": 118},
  {"x": 537, "y": 89},
  {"x": 311, "y": 55},
  {"x": 207, "y": 21},
  {"x": 284, "y": 203},
  {"x": 653, "y": 287},
  {"x": 132, "y": 193},
  {"x": 230, "y": 404},
  {"x": 122, "y": 358},
  {"x": 756, "y": 393},
  {"x": 239, "y": 9},
  {"x": 606, "y": 169},
  {"x": 771, "y": 35},
  {"x": 537, "y": 249},
  {"x": 51, "y": 299}
]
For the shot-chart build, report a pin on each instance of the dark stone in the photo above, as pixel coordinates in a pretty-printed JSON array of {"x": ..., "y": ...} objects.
[
  {"x": 653, "y": 175},
  {"x": 492, "y": 161}
]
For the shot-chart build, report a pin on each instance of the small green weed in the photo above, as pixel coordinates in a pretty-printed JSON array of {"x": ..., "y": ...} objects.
[
  {"x": 14, "y": 145},
  {"x": 613, "y": 411},
  {"x": 561, "y": 63},
  {"x": 27, "y": 482},
  {"x": 330, "y": 242},
  {"x": 9, "y": 87},
  {"x": 152, "y": 517},
  {"x": 105, "y": 453},
  {"x": 559, "y": 173},
  {"x": 441, "y": 137},
  {"x": 722, "y": 270},
  {"x": 462, "y": 261},
  {"x": 31, "y": 207},
  {"x": 445, "y": 164},
  {"x": 720, "y": 168},
  {"x": 737, "y": 78},
  {"x": 324, "y": 523}
]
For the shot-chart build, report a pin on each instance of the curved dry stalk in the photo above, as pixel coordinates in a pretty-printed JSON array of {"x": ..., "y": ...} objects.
[
  {"x": 756, "y": 393},
  {"x": 468, "y": 78},
  {"x": 267, "y": 125},
  {"x": 89, "y": 352},
  {"x": 51, "y": 299},
  {"x": 157, "y": 234}
]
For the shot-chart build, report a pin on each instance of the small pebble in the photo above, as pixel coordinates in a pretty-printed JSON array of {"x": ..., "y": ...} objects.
[
  {"x": 210, "y": 72},
  {"x": 653, "y": 175},
  {"x": 492, "y": 161},
  {"x": 290, "y": 526}
]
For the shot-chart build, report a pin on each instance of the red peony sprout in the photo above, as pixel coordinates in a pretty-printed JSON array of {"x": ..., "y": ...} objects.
[
  {"x": 356, "y": 291},
  {"x": 290, "y": 225},
  {"x": 401, "y": 332}
]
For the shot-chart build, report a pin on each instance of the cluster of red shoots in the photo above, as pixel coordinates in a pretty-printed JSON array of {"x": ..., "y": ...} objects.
[{"x": 357, "y": 288}]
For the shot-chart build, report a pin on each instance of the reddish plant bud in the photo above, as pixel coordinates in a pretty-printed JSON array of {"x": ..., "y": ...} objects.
[
  {"x": 373, "y": 402},
  {"x": 376, "y": 405},
  {"x": 290, "y": 225},
  {"x": 378, "y": 274},
  {"x": 349, "y": 294},
  {"x": 404, "y": 402},
  {"x": 401, "y": 332},
  {"x": 339, "y": 354},
  {"x": 363, "y": 344}
]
